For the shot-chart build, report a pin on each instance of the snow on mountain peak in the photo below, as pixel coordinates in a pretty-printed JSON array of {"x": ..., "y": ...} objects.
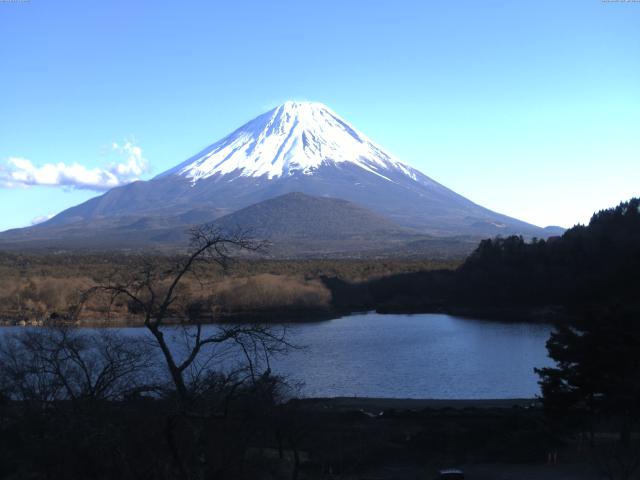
[{"x": 293, "y": 137}]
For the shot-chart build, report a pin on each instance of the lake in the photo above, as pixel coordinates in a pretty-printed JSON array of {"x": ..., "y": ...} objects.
[
  {"x": 417, "y": 356},
  {"x": 412, "y": 356}
]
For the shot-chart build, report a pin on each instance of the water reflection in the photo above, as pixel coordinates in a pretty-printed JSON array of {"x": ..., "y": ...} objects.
[{"x": 409, "y": 356}]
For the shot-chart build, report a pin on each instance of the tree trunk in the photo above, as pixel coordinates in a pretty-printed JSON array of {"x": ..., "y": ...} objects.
[
  {"x": 625, "y": 432},
  {"x": 173, "y": 448},
  {"x": 174, "y": 371},
  {"x": 279, "y": 440}
]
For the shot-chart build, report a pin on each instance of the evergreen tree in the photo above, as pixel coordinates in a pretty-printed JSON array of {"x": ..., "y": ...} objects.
[{"x": 598, "y": 367}]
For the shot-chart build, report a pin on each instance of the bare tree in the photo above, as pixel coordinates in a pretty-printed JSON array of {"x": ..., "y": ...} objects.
[
  {"x": 45, "y": 365},
  {"x": 155, "y": 291}
]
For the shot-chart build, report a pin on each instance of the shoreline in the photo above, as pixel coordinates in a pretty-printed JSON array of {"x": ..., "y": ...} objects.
[
  {"x": 534, "y": 315},
  {"x": 270, "y": 316},
  {"x": 377, "y": 405},
  {"x": 502, "y": 313}
]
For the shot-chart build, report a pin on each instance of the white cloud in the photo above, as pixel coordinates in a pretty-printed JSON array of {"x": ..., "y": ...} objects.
[
  {"x": 21, "y": 172},
  {"x": 136, "y": 164},
  {"x": 41, "y": 218}
]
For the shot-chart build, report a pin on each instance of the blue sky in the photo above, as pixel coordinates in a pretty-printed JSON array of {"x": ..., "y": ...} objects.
[{"x": 530, "y": 108}]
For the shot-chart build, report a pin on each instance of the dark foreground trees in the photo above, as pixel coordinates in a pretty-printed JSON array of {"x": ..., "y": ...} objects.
[
  {"x": 185, "y": 400},
  {"x": 78, "y": 405},
  {"x": 595, "y": 386},
  {"x": 598, "y": 366},
  {"x": 43, "y": 366}
]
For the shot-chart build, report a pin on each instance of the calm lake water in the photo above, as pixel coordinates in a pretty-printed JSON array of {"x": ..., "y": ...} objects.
[
  {"x": 417, "y": 356},
  {"x": 412, "y": 356}
]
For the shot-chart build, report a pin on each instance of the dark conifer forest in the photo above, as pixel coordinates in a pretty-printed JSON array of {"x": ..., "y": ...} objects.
[{"x": 593, "y": 265}]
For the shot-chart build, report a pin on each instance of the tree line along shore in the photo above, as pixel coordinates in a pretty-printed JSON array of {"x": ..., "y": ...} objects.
[{"x": 510, "y": 278}]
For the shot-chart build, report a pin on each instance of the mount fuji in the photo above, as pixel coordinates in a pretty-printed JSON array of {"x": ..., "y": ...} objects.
[
  {"x": 297, "y": 137},
  {"x": 296, "y": 147}
]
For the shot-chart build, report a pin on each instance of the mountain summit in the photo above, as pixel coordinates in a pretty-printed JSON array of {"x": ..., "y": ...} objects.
[
  {"x": 294, "y": 137},
  {"x": 297, "y": 147}
]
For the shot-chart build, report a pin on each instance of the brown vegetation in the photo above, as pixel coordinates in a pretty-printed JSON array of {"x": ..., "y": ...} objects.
[
  {"x": 36, "y": 288},
  {"x": 269, "y": 291},
  {"x": 36, "y": 298}
]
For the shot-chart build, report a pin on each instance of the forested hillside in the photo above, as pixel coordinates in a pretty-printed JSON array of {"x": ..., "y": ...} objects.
[{"x": 596, "y": 264}]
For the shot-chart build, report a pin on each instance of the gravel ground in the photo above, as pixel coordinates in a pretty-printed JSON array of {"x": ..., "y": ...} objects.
[
  {"x": 530, "y": 472},
  {"x": 486, "y": 472}
]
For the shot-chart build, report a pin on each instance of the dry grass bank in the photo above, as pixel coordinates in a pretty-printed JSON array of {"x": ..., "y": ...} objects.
[{"x": 35, "y": 288}]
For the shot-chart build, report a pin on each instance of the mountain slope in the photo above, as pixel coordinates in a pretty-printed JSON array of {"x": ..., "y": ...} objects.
[
  {"x": 303, "y": 216},
  {"x": 296, "y": 147},
  {"x": 297, "y": 226}
]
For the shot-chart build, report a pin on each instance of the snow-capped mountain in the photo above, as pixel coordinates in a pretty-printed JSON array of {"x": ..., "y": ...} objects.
[
  {"x": 296, "y": 147},
  {"x": 294, "y": 137}
]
